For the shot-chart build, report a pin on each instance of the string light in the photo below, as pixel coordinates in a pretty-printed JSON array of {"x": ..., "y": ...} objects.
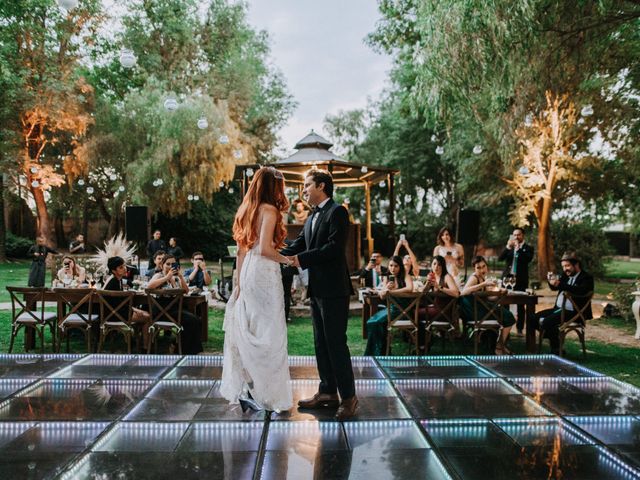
[
  {"x": 81, "y": 182},
  {"x": 477, "y": 149},
  {"x": 439, "y": 150},
  {"x": 171, "y": 104},
  {"x": 203, "y": 123},
  {"x": 587, "y": 110},
  {"x": 223, "y": 139},
  {"x": 127, "y": 58}
]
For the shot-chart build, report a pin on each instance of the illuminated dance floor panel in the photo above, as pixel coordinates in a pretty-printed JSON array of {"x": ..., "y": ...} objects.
[{"x": 456, "y": 417}]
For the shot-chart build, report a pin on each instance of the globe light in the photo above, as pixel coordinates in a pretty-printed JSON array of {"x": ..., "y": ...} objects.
[
  {"x": 528, "y": 120},
  {"x": 587, "y": 110},
  {"x": 68, "y": 4},
  {"x": 190, "y": 197},
  {"x": 81, "y": 182},
  {"x": 196, "y": 198},
  {"x": 127, "y": 58},
  {"x": 113, "y": 177},
  {"x": 35, "y": 184},
  {"x": 383, "y": 184},
  {"x": 523, "y": 170},
  {"x": 223, "y": 139},
  {"x": 230, "y": 189},
  {"x": 89, "y": 190},
  {"x": 434, "y": 138},
  {"x": 439, "y": 150},
  {"x": 249, "y": 172},
  {"x": 237, "y": 154},
  {"x": 33, "y": 169},
  {"x": 121, "y": 188},
  {"x": 159, "y": 181},
  {"x": 171, "y": 104},
  {"x": 477, "y": 149},
  {"x": 203, "y": 123}
]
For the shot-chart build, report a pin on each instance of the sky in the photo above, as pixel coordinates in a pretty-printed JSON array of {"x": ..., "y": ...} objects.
[{"x": 320, "y": 49}]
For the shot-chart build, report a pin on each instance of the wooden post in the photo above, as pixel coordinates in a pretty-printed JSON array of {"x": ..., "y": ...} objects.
[
  {"x": 367, "y": 195},
  {"x": 392, "y": 209}
]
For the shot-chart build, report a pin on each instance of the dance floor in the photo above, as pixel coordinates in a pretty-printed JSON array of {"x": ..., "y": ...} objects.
[{"x": 130, "y": 416}]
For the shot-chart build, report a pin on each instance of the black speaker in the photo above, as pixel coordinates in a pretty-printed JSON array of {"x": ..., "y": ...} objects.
[
  {"x": 137, "y": 225},
  {"x": 468, "y": 227}
]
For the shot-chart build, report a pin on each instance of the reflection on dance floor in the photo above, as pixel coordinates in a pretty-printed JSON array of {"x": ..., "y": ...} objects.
[{"x": 130, "y": 416}]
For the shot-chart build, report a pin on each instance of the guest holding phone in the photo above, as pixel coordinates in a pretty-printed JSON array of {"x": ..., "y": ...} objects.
[
  {"x": 452, "y": 252},
  {"x": 71, "y": 272},
  {"x": 373, "y": 272},
  {"x": 410, "y": 262},
  {"x": 197, "y": 275},
  {"x": 399, "y": 281},
  {"x": 171, "y": 277}
]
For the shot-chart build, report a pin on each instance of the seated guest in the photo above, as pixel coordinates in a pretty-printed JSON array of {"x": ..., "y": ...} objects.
[
  {"x": 299, "y": 212},
  {"x": 409, "y": 261},
  {"x": 373, "y": 272},
  {"x": 197, "y": 276},
  {"x": 71, "y": 272},
  {"x": 478, "y": 282},
  {"x": 171, "y": 277},
  {"x": 117, "y": 272},
  {"x": 452, "y": 252},
  {"x": 573, "y": 280},
  {"x": 439, "y": 280},
  {"x": 158, "y": 261},
  {"x": 377, "y": 324},
  {"x": 77, "y": 245},
  {"x": 174, "y": 249},
  {"x": 346, "y": 203}
]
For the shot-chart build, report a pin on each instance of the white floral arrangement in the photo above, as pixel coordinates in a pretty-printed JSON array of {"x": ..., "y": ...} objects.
[{"x": 117, "y": 246}]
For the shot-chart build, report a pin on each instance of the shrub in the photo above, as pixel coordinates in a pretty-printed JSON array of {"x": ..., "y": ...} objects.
[
  {"x": 623, "y": 299},
  {"x": 586, "y": 239},
  {"x": 17, "y": 247}
]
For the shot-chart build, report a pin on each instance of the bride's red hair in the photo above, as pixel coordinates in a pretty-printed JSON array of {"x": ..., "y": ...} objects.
[{"x": 267, "y": 187}]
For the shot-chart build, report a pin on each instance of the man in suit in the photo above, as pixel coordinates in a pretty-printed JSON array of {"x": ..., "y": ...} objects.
[
  {"x": 155, "y": 244},
  {"x": 518, "y": 256},
  {"x": 320, "y": 248},
  {"x": 373, "y": 271},
  {"x": 575, "y": 281}
]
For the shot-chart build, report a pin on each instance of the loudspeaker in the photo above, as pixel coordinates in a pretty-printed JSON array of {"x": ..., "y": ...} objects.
[
  {"x": 468, "y": 227},
  {"x": 137, "y": 225}
]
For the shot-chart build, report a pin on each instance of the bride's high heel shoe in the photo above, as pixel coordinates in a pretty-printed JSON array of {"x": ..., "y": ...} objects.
[{"x": 249, "y": 403}]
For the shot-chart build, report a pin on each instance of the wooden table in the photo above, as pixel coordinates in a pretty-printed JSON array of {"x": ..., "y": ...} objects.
[
  {"x": 196, "y": 304},
  {"x": 372, "y": 302}
]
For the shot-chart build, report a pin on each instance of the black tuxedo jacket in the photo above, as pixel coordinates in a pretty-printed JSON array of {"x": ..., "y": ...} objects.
[
  {"x": 525, "y": 255},
  {"x": 322, "y": 252},
  {"x": 368, "y": 275},
  {"x": 582, "y": 285}
]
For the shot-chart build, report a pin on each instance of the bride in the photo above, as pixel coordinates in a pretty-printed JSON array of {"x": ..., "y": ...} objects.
[{"x": 255, "y": 370}]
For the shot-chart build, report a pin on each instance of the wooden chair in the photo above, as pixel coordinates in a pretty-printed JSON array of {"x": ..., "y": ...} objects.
[
  {"x": 116, "y": 312},
  {"x": 79, "y": 303},
  {"x": 165, "y": 308},
  {"x": 401, "y": 316},
  {"x": 446, "y": 318},
  {"x": 29, "y": 312},
  {"x": 487, "y": 315},
  {"x": 571, "y": 320}
]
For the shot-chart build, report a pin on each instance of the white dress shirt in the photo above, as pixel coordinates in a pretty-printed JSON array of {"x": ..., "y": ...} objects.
[{"x": 317, "y": 213}]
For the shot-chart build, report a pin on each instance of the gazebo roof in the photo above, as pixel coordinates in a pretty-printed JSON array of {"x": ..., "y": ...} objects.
[{"x": 313, "y": 152}]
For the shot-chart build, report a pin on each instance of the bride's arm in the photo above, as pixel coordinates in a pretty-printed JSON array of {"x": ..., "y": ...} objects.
[
  {"x": 239, "y": 261},
  {"x": 267, "y": 227}
]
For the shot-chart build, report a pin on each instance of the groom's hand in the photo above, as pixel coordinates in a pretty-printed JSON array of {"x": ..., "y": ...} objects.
[{"x": 296, "y": 262}]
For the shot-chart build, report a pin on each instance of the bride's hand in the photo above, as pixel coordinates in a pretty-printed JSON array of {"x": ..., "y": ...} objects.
[{"x": 235, "y": 293}]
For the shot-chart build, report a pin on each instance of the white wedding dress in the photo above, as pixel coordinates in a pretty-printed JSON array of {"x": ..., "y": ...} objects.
[{"x": 255, "y": 340}]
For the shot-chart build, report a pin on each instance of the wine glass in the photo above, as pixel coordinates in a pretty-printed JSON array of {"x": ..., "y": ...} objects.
[{"x": 67, "y": 279}]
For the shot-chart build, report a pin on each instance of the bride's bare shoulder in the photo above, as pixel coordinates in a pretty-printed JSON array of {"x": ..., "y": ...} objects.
[{"x": 267, "y": 208}]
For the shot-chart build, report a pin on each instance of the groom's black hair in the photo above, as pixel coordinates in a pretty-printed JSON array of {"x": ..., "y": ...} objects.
[{"x": 322, "y": 176}]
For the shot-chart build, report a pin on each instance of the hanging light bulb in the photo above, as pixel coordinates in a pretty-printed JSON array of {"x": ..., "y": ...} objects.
[
  {"x": 33, "y": 169},
  {"x": 230, "y": 189},
  {"x": 113, "y": 177},
  {"x": 587, "y": 110},
  {"x": 237, "y": 154},
  {"x": 121, "y": 188},
  {"x": 523, "y": 170},
  {"x": 81, "y": 182},
  {"x": 127, "y": 58},
  {"x": 196, "y": 198},
  {"x": 383, "y": 184},
  {"x": 364, "y": 169},
  {"x": 434, "y": 138},
  {"x": 249, "y": 172},
  {"x": 203, "y": 123},
  {"x": 159, "y": 181},
  {"x": 528, "y": 120},
  {"x": 89, "y": 190},
  {"x": 223, "y": 139},
  {"x": 68, "y": 4},
  {"x": 171, "y": 104},
  {"x": 190, "y": 197},
  {"x": 35, "y": 184},
  {"x": 439, "y": 150},
  {"x": 221, "y": 184},
  {"x": 477, "y": 149}
]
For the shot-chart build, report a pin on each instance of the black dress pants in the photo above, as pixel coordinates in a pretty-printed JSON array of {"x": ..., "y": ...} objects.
[
  {"x": 330, "y": 316},
  {"x": 550, "y": 324}
]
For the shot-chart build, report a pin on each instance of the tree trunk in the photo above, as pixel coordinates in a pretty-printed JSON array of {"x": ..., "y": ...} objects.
[
  {"x": 546, "y": 259},
  {"x": 44, "y": 224},
  {"x": 3, "y": 231}
]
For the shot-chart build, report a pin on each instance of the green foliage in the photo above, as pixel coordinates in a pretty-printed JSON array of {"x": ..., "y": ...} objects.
[
  {"x": 587, "y": 239},
  {"x": 17, "y": 247},
  {"x": 621, "y": 294}
]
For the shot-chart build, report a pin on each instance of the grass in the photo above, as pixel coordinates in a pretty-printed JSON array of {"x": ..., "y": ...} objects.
[
  {"x": 13, "y": 274},
  {"x": 623, "y": 269}
]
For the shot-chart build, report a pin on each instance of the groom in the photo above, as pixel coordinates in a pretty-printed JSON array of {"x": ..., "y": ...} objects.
[{"x": 320, "y": 248}]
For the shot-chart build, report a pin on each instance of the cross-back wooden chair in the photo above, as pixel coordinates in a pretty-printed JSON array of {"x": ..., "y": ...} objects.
[
  {"x": 76, "y": 313},
  {"x": 29, "y": 312},
  {"x": 571, "y": 320},
  {"x": 402, "y": 314},
  {"x": 116, "y": 312},
  {"x": 445, "y": 317},
  {"x": 487, "y": 315},
  {"x": 165, "y": 308}
]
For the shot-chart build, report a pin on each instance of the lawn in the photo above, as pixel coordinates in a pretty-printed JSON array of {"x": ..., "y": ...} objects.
[{"x": 623, "y": 269}]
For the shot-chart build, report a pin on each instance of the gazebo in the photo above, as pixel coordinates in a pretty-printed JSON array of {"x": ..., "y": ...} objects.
[{"x": 314, "y": 151}]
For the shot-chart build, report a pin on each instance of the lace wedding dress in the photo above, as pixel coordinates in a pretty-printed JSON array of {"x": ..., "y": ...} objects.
[{"x": 255, "y": 340}]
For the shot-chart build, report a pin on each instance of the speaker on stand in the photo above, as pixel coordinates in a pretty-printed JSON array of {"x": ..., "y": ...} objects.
[
  {"x": 468, "y": 229},
  {"x": 137, "y": 226}
]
